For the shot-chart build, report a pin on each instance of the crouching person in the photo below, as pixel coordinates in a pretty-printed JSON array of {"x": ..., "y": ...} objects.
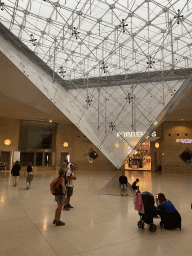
[{"x": 170, "y": 217}]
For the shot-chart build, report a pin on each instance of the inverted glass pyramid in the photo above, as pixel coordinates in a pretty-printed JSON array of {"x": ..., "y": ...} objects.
[{"x": 123, "y": 65}]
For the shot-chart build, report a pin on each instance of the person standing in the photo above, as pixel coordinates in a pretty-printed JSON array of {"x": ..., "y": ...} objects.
[
  {"x": 60, "y": 199},
  {"x": 123, "y": 182},
  {"x": 64, "y": 165},
  {"x": 69, "y": 186},
  {"x": 65, "y": 168},
  {"x": 30, "y": 175},
  {"x": 15, "y": 173}
]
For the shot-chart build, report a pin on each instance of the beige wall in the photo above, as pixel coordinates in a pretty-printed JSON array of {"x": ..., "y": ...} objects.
[
  {"x": 9, "y": 129},
  {"x": 172, "y": 149},
  {"x": 77, "y": 148}
]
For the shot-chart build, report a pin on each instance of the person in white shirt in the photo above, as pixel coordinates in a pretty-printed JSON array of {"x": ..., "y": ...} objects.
[{"x": 70, "y": 177}]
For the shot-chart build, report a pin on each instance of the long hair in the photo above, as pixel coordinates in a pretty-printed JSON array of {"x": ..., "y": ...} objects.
[{"x": 161, "y": 198}]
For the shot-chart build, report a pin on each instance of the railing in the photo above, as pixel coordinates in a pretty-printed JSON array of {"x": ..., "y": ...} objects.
[{"x": 3, "y": 168}]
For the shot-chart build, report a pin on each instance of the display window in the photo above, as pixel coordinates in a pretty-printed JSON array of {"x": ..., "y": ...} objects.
[{"x": 140, "y": 159}]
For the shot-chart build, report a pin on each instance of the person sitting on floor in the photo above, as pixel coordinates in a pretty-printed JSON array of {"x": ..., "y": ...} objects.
[
  {"x": 134, "y": 185},
  {"x": 123, "y": 182}
]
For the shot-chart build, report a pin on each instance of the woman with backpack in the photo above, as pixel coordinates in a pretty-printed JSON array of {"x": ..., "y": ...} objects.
[
  {"x": 30, "y": 175},
  {"x": 58, "y": 189}
]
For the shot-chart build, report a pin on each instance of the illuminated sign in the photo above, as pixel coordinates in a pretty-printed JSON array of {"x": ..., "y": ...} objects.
[
  {"x": 153, "y": 134},
  {"x": 184, "y": 140},
  {"x": 130, "y": 134},
  {"x": 129, "y": 150},
  {"x": 135, "y": 134}
]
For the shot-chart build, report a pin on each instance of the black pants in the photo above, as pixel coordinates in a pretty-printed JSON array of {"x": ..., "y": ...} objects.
[{"x": 170, "y": 220}]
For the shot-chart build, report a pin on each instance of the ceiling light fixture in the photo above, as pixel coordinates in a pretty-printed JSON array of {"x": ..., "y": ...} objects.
[
  {"x": 65, "y": 144},
  {"x": 7, "y": 142},
  {"x": 157, "y": 145}
]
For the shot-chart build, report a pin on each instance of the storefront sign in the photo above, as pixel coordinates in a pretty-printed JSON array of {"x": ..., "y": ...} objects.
[
  {"x": 136, "y": 135},
  {"x": 184, "y": 140},
  {"x": 130, "y": 134}
]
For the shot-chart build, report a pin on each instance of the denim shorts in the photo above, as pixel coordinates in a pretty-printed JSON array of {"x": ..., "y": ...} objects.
[
  {"x": 59, "y": 198},
  {"x": 123, "y": 186}
]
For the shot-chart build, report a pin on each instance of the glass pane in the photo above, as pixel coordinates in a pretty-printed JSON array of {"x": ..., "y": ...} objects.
[
  {"x": 26, "y": 158},
  {"x": 36, "y": 135},
  {"x": 39, "y": 159}
]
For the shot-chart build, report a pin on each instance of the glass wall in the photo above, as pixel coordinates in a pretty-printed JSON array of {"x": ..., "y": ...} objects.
[{"x": 37, "y": 141}]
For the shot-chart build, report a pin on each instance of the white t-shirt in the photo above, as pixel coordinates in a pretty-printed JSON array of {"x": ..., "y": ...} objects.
[{"x": 69, "y": 182}]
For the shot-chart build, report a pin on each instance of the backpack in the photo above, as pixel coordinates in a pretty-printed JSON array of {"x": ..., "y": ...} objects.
[
  {"x": 30, "y": 176},
  {"x": 54, "y": 187}
]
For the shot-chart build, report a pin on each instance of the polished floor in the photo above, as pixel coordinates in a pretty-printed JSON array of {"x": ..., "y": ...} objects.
[{"x": 98, "y": 225}]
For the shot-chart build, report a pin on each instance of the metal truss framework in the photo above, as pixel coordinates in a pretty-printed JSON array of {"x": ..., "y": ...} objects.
[{"x": 124, "y": 61}]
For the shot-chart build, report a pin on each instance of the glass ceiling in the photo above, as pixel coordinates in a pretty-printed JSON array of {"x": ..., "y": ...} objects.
[
  {"x": 79, "y": 35},
  {"x": 82, "y": 40}
]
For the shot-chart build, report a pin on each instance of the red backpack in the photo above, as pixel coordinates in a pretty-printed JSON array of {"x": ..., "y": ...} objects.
[{"x": 54, "y": 187}]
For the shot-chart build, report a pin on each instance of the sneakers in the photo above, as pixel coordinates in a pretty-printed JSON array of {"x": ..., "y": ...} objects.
[
  {"x": 54, "y": 221},
  {"x": 65, "y": 208},
  {"x": 69, "y": 206},
  {"x": 60, "y": 223}
]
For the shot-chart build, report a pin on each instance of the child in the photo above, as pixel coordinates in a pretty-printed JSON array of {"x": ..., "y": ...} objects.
[
  {"x": 123, "y": 182},
  {"x": 134, "y": 185}
]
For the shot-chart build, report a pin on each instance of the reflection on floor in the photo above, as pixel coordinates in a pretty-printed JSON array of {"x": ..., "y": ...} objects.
[
  {"x": 113, "y": 187},
  {"x": 146, "y": 167},
  {"x": 98, "y": 225}
]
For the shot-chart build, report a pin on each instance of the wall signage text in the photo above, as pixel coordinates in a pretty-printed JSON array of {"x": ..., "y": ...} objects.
[
  {"x": 130, "y": 134},
  {"x": 184, "y": 140}
]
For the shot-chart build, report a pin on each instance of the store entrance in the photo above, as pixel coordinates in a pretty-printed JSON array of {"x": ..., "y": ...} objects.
[{"x": 140, "y": 159}]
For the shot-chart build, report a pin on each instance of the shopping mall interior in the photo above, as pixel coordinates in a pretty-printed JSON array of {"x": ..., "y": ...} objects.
[{"x": 106, "y": 85}]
